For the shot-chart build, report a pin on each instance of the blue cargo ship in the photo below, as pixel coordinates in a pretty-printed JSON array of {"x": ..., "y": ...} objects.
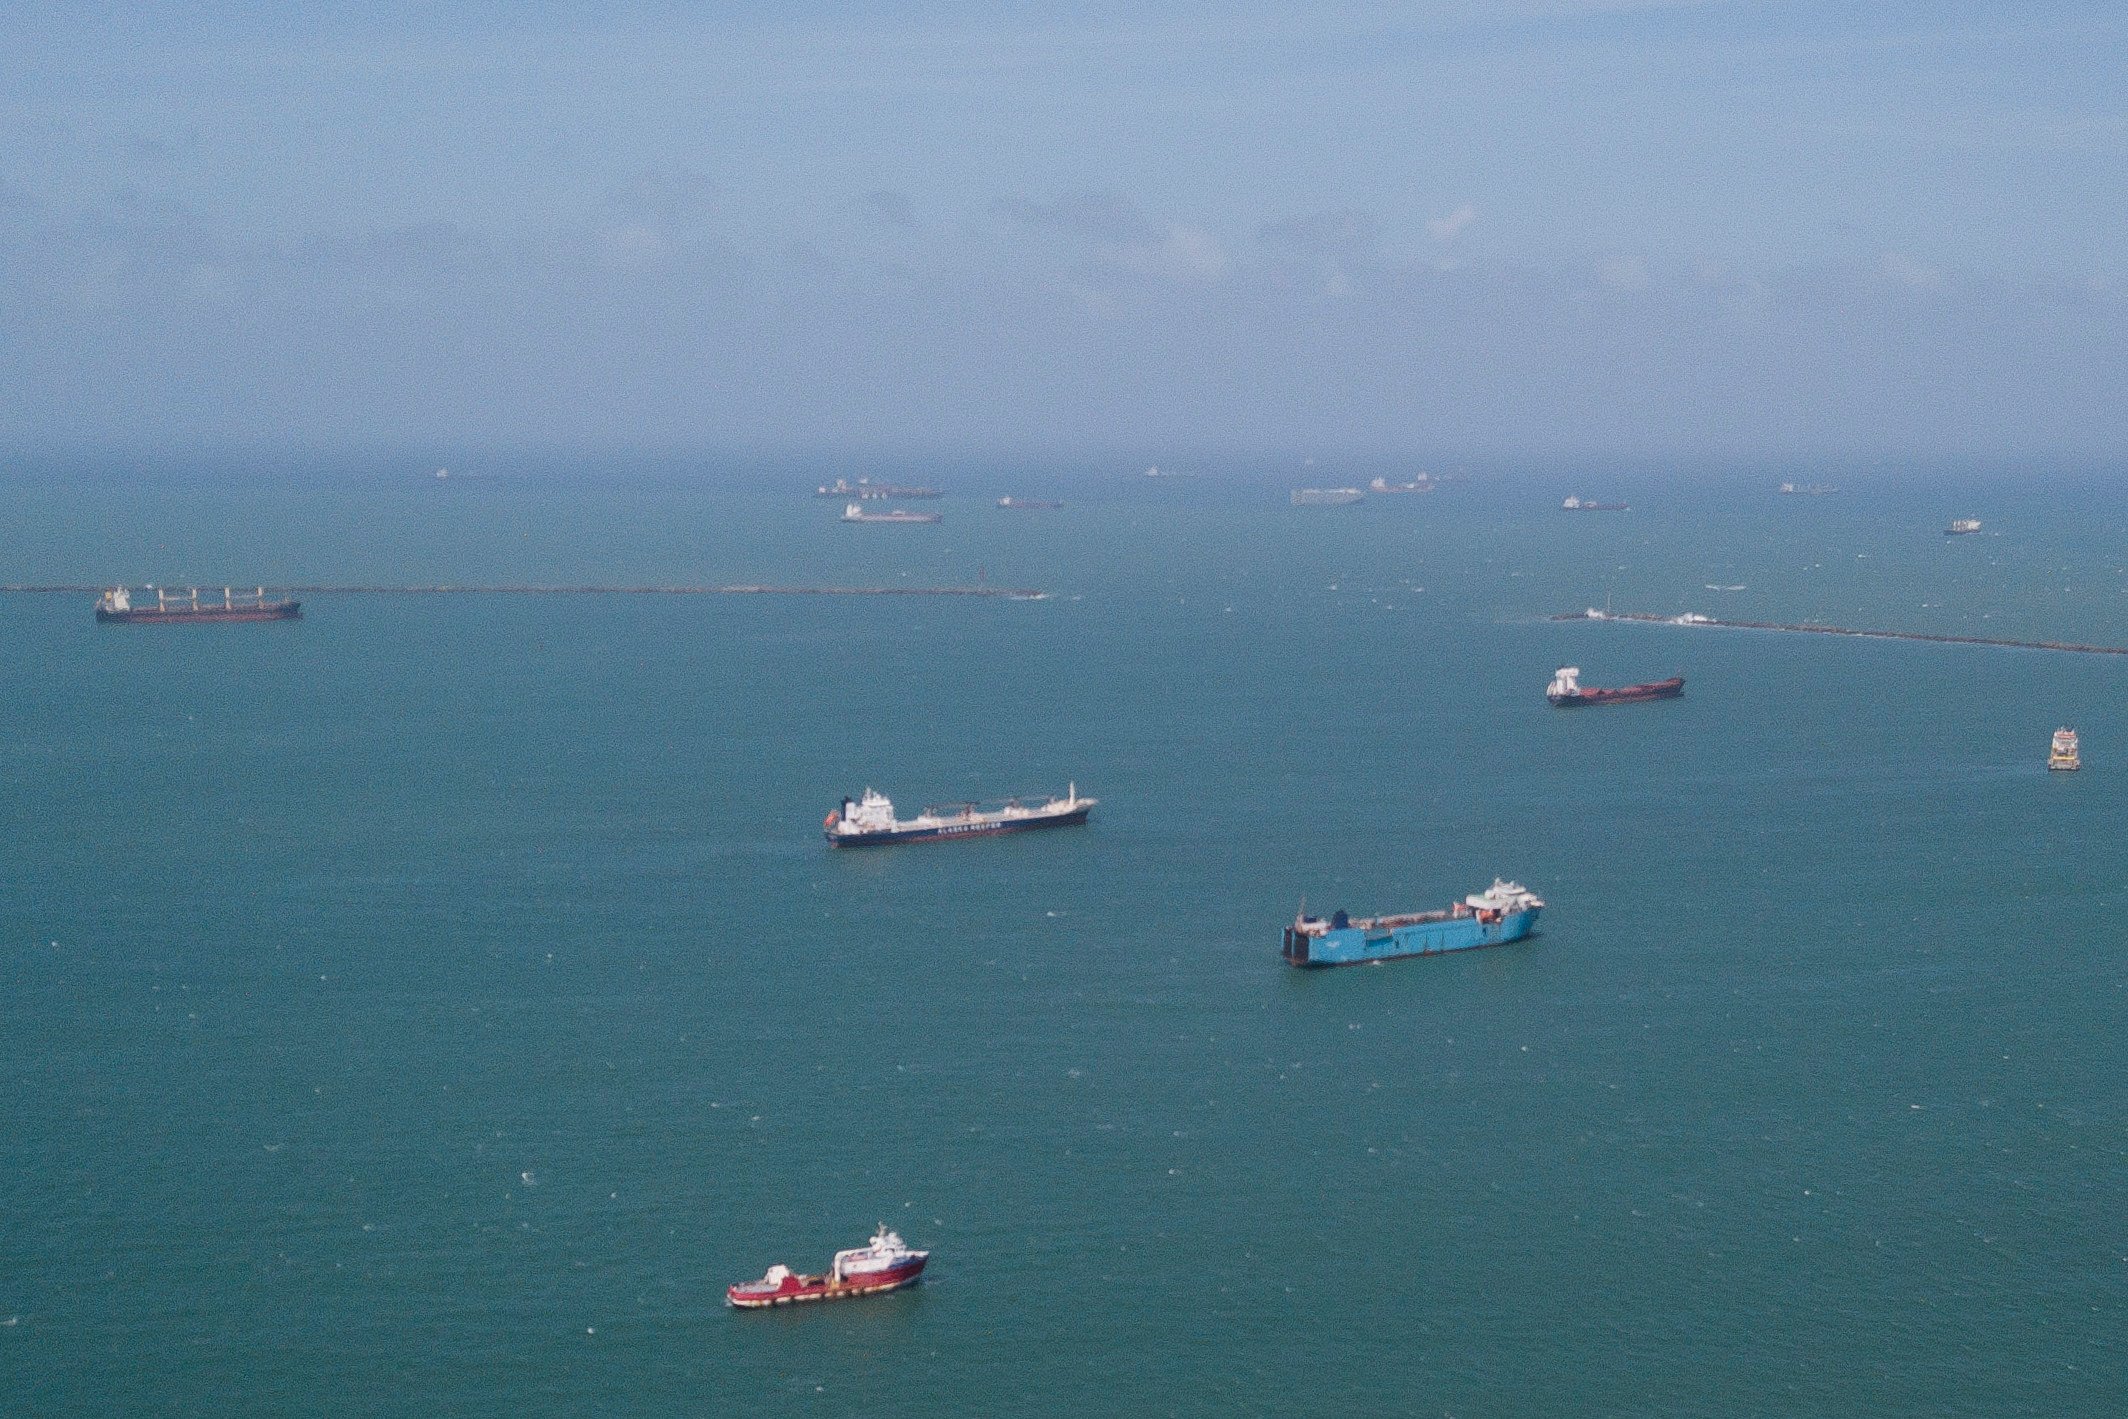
[{"x": 1503, "y": 912}]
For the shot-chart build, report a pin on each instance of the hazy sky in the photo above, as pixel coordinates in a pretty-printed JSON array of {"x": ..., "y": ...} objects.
[{"x": 1094, "y": 229}]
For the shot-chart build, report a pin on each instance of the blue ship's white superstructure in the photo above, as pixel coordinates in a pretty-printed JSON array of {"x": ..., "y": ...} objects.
[{"x": 1503, "y": 912}]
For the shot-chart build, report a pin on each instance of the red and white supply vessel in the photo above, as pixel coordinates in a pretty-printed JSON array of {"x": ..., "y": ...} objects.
[{"x": 884, "y": 1264}]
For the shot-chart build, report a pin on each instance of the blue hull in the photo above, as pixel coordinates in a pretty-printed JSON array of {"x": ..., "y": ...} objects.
[{"x": 1352, "y": 945}]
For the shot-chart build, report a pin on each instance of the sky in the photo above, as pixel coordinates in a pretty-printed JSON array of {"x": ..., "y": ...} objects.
[{"x": 1466, "y": 228}]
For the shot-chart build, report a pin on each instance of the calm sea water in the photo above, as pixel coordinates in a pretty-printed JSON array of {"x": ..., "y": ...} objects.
[{"x": 428, "y": 1007}]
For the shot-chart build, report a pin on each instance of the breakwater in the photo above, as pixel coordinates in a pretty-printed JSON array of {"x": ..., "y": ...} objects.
[
  {"x": 1007, "y": 592},
  {"x": 1649, "y": 618}
]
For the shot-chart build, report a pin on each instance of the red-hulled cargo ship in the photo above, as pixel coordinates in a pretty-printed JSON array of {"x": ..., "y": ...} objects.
[
  {"x": 186, "y": 606},
  {"x": 881, "y": 1265},
  {"x": 1566, "y": 689}
]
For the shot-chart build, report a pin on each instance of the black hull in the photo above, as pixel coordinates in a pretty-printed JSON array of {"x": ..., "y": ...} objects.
[
  {"x": 948, "y": 831},
  {"x": 146, "y": 616}
]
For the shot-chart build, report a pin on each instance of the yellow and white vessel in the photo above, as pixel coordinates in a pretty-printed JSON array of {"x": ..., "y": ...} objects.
[{"x": 2063, "y": 753}]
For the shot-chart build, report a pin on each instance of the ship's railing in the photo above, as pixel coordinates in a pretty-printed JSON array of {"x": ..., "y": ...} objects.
[
  {"x": 213, "y": 596},
  {"x": 1317, "y": 926},
  {"x": 1415, "y": 918},
  {"x": 972, "y": 809}
]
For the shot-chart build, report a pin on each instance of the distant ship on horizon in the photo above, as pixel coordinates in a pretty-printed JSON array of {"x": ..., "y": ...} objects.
[
  {"x": 1326, "y": 497},
  {"x": 870, "y": 491},
  {"x": 1580, "y": 504},
  {"x": 856, "y": 512},
  {"x": 186, "y": 607}
]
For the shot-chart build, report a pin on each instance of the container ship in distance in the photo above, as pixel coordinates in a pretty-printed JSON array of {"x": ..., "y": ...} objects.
[
  {"x": 1576, "y": 504},
  {"x": 869, "y": 821},
  {"x": 1963, "y": 527},
  {"x": 1326, "y": 497},
  {"x": 1503, "y": 912},
  {"x": 1566, "y": 689},
  {"x": 856, "y": 512},
  {"x": 187, "y": 607},
  {"x": 884, "y": 1264},
  {"x": 870, "y": 491}
]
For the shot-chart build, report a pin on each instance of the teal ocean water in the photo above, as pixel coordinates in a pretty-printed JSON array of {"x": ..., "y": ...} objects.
[{"x": 428, "y": 1007}]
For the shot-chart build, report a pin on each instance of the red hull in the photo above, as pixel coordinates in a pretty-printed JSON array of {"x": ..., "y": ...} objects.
[
  {"x": 796, "y": 1289},
  {"x": 1657, "y": 690}
]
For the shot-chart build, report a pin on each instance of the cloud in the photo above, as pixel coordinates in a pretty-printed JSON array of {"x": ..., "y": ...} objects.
[
  {"x": 14, "y": 198},
  {"x": 1338, "y": 250},
  {"x": 1446, "y": 229},
  {"x": 1344, "y": 235},
  {"x": 1908, "y": 272},
  {"x": 887, "y": 207},
  {"x": 1623, "y": 273},
  {"x": 1184, "y": 254},
  {"x": 634, "y": 244},
  {"x": 1614, "y": 7},
  {"x": 663, "y": 197},
  {"x": 1122, "y": 238},
  {"x": 416, "y": 243},
  {"x": 653, "y": 217},
  {"x": 1084, "y": 320},
  {"x": 1092, "y": 216}
]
